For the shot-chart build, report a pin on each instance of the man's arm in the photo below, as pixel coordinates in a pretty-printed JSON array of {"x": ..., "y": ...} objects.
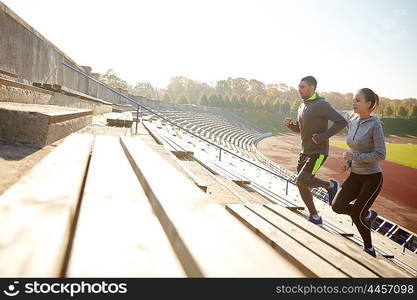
[
  {"x": 338, "y": 122},
  {"x": 293, "y": 126}
]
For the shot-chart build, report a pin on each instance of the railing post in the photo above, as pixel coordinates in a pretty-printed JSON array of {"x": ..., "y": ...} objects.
[
  {"x": 220, "y": 154},
  {"x": 286, "y": 188},
  {"x": 137, "y": 119}
]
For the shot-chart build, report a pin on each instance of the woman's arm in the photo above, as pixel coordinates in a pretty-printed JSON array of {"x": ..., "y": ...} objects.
[{"x": 379, "y": 152}]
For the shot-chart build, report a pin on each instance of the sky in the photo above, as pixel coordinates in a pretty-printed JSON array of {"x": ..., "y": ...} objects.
[{"x": 345, "y": 44}]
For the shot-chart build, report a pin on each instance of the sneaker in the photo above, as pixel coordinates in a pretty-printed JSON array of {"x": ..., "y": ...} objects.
[
  {"x": 368, "y": 221},
  {"x": 332, "y": 191},
  {"x": 370, "y": 251},
  {"x": 318, "y": 221}
]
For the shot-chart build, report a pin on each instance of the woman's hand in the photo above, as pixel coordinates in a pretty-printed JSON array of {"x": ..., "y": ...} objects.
[{"x": 347, "y": 155}]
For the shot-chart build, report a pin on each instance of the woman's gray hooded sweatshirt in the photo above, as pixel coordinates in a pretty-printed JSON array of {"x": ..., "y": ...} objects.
[{"x": 366, "y": 139}]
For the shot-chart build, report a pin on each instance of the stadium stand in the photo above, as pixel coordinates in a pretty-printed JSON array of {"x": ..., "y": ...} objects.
[{"x": 181, "y": 191}]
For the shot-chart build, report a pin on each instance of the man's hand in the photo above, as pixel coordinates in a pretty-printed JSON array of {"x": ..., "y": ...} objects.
[
  {"x": 343, "y": 168},
  {"x": 347, "y": 155},
  {"x": 287, "y": 122}
]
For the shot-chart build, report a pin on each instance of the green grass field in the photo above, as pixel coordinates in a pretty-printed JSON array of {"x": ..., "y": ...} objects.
[{"x": 403, "y": 154}]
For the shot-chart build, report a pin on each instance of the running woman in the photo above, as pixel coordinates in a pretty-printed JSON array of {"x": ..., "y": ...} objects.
[
  {"x": 313, "y": 116},
  {"x": 366, "y": 141}
]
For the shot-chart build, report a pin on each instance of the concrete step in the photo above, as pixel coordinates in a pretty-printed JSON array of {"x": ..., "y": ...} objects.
[{"x": 39, "y": 125}]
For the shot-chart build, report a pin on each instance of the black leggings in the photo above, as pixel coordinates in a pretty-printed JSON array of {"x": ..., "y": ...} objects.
[{"x": 365, "y": 189}]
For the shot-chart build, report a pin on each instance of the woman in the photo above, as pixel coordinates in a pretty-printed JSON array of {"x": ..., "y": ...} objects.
[{"x": 366, "y": 141}]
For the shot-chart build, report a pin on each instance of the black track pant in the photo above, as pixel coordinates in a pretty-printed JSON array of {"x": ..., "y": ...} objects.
[
  {"x": 307, "y": 167},
  {"x": 365, "y": 189}
]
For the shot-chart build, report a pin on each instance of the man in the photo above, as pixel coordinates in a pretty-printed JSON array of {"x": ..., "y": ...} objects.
[{"x": 313, "y": 116}]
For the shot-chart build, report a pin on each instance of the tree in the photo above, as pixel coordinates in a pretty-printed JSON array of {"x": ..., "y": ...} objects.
[
  {"x": 258, "y": 103},
  {"x": 166, "y": 98},
  {"x": 220, "y": 101},
  {"x": 401, "y": 111},
  {"x": 243, "y": 104},
  {"x": 183, "y": 99},
  {"x": 176, "y": 86},
  {"x": 251, "y": 103},
  {"x": 112, "y": 79},
  {"x": 227, "y": 102},
  {"x": 234, "y": 101},
  {"x": 213, "y": 100},
  {"x": 286, "y": 107},
  {"x": 257, "y": 88},
  {"x": 276, "y": 106},
  {"x": 295, "y": 105},
  {"x": 267, "y": 106},
  {"x": 272, "y": 91},
  {"x": 223, "y": 87},
  {"x": 240, "y": 86},
  {"x": 388, "y": 111},
  {"x": 143, "y": 89},
  {"x": 203, "y": 100},
  {"x": 413, "y": 111}
]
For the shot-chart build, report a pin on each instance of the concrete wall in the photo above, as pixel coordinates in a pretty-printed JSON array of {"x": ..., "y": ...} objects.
[
  {"x": 32, "y": 96},
  {"x": 26, "y": 53}
]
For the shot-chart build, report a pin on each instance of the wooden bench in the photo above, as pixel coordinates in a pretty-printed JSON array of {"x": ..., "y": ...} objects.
[
  {"x": 117, "y": 232},
  {"x": 37, "y": 212},
  {"x": 321, "y": 252},
  {"x": 171, "y": 146},
  {"x": 206, "y": 240},
  {"x": 123, "y": 119}
]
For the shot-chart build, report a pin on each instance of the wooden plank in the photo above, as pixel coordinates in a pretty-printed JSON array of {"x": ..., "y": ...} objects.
[
  {"x": 380, "y": 266},
  {"x": 191, "y": 175},
  {"x": 207, "y": 240},
  {"x": 133, "y": 244},
  {"x": 149, "y": 128},
  {"x": 206, "y": 166},
  {"x": 23, "y": 86},
  {"x": 67, "y": 91},
  {"x": 36, "y": 213},
  {"x": 65, "y": 116},
  {"x": 120, "y": 121},
  {"x": 379, "y": 241},
  {"x": 346, "y": 234},
  {"x": 241, "y": 182},
  {"x": 37, "y": 84},
  {"x": 8, "y": 74},
  {"x": 128, "y": 120},
  {"x": 182, "y": 154},
  {"x": 295, "y": 208},
  {"x": 48, "y": 86},
  {"x": 111, "y": 118},
  {"x": 331, "y": 255},
  {"x": 302, "y": 256},
  {"x": 242, "y": 194}
]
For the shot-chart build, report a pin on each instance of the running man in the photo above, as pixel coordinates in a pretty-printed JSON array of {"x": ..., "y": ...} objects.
[{"x": 313, "y": 116}]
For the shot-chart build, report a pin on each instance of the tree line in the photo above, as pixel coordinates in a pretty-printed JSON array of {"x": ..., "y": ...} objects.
[{"x": 248, "y": 94}]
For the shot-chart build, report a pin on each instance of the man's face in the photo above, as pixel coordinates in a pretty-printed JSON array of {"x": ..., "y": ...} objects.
[{"x": 305, "y": 90}]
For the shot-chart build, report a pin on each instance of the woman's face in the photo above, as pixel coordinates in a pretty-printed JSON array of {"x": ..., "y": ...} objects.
[{"x": 360, "y": 105}]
